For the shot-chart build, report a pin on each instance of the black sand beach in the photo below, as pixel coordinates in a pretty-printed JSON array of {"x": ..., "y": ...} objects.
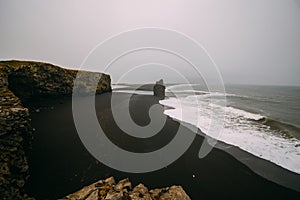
[{"x": 59, "y": 163}]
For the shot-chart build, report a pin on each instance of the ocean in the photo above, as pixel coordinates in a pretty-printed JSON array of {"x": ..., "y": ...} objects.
[{"x": 262, "y": 120}]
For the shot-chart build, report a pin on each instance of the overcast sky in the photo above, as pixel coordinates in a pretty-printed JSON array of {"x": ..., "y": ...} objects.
[{"x": 252, "y": 41}]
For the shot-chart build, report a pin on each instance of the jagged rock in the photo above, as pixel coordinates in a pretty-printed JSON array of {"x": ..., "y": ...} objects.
[
  {"x": 23, "y": 80},
  {"x": 110, "y": 181},
  {"x": 108, "y": 190},
  {"x": 15, "y": 133},
  {"x": 174, "y": 192},
  {"x": 159, "y": 89},
  {"x": 93, "y": 195},
  {"x": 123, "y": 184},
  {"x": 140, "y": 192}
]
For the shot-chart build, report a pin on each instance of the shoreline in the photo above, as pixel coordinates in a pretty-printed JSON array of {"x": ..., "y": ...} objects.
[
  {"x": 262, "y": 167},
  {"x": 219, "y": 171}
]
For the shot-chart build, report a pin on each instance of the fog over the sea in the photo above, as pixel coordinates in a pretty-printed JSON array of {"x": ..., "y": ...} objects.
[{"x": 252, "y": 41}]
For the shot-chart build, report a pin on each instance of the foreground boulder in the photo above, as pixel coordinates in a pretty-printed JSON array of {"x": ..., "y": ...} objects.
[
  {"x": 159, "y": 89},
  {"x": 19, "y": 81},
  {"x": 110, "y": 190}
]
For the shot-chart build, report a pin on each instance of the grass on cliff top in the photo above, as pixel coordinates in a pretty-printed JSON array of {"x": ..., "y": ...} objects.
[
  {"x": 18, "y": 63},
  {"x": 15, "y": 64}
]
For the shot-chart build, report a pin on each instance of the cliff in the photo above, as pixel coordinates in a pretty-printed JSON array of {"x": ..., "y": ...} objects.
[
  {"x": 20, "y": 81},
  {"x": 15, "y": 132},
  {"x": 36, "y": 79}
]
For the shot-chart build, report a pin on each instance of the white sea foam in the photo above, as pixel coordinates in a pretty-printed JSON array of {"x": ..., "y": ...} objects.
[
  {"x": 201, "y": 94},
  {"x": 240, "y": 129},
  {"x": 141, "y": 92},
  {"x": 117, "y": 86}
]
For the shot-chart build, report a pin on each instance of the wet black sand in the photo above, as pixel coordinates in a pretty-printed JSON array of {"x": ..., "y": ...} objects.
[{"x": 60, "y": 164}]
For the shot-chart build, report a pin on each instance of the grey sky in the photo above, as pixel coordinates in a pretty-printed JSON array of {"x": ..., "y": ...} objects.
[{"x": 252, "y": 41}]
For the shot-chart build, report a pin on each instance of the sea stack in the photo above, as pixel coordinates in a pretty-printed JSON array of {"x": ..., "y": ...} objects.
[{"x": 159, "y": 89}]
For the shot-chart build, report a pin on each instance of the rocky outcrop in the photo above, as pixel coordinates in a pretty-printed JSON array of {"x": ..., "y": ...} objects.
[
  {"x": 110, "y": 190},
  {"x": 15, "y": 132},
  {"x": 36, "y": 79},
  {"x": 21, "y": 80},
  {"x": 159, "y": 89}
]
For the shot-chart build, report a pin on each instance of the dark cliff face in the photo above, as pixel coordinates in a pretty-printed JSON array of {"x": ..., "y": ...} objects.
[
  {"x": 15, "y": 133},
  {"x": 36, "y": 79},
  {"x": 19, "y": 81}
]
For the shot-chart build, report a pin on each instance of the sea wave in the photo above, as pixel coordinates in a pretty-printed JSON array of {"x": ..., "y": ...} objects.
[
  {"x": 202, "y": 94},
  {"x": 116, "y": 86},
  {"x": 255, "y": 133}
]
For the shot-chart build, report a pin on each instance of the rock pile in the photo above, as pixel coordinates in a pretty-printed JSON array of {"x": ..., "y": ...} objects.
[{"x": 110, "y": 190}]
